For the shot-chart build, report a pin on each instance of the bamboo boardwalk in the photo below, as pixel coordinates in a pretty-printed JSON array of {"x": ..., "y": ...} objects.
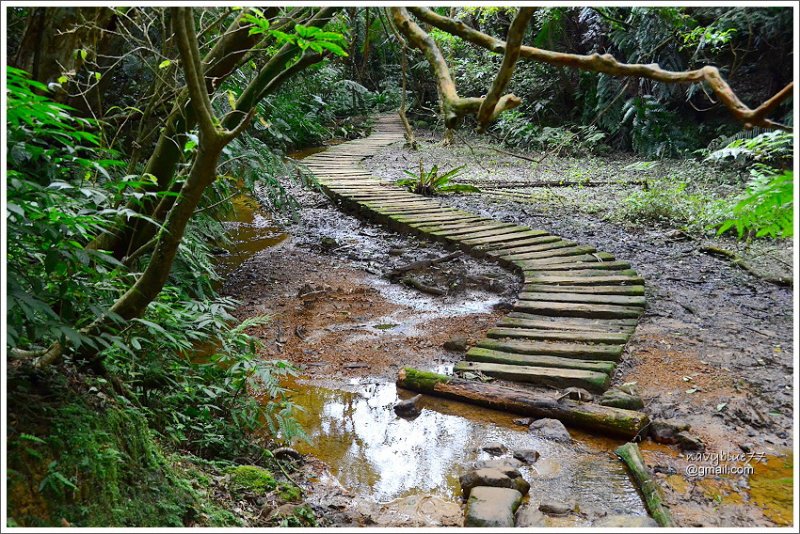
[{"x": 577, "y": 308}]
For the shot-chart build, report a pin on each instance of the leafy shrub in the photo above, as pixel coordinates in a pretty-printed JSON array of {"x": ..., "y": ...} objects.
[
  {"x": 430, "y": 183},
  {"x": 767, "y": 207},
  {"x": 61, "y": 193}
]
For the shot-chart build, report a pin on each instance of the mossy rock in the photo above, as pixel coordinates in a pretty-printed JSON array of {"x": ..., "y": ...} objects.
[{"x": 252, "y": 478}]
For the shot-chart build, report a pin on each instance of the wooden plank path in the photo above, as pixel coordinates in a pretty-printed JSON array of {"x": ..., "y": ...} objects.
[{"x": 577, "y": 308}]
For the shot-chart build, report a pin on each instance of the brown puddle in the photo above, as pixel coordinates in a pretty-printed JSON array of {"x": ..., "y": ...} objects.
[
  {"x": 380, "y": 456},
  {"x": 249, "y": 231}
]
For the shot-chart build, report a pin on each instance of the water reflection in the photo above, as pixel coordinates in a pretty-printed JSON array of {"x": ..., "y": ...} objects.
[
  {"x": 249, "y": 232},
  {"x": 381, "y": 456}
]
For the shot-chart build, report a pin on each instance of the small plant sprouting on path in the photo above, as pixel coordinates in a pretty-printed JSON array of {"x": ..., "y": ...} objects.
[{"x": 431, "y": 183}]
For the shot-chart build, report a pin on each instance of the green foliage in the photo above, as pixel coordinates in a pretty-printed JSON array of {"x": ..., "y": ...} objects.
[
  {"x": 769, "y": 148},
  {"x": 430, "y": 183},
  {"x": 58, "y": 199},
  {"x": 304, "y": 37},
  {"x": 517, "y": 130},
  {"x": 655, "y": 130},
  {"x": 204, "y": 403},
  {"x": 59, "y": 195},
  {"x": 93, "y": 458},
  {"x": 289, "y": 492},
  {"x": 301, "y": 516},
  {"x": 767, "y": 207},
  {"x": 670, "y": 202}
]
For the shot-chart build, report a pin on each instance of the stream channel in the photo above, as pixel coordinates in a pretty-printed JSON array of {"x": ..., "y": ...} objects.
[{"x": 380, "y": 457}]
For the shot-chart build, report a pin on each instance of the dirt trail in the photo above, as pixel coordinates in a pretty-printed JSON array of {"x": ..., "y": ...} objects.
[{"x": 714, "y": 348}]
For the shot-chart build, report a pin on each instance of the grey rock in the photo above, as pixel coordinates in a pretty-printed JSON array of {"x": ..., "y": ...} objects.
[
  {"x": 493, "y": 478},
  {"x": 529, "y": 516},
  {"x": 556, "y": 507},
  {"x": 456, "y": 344},
  {"x": 508, "y": 466},
  {"x": 551, "y": 429},
  {"x": 492, "y": 507},
  {"x": 495, "y": 448},
  {"x": 617, "y": 398},
  {"x": 689, "y": 442},
  {"x": 746, "y": 447},
  {"x": 665, "y": 430},
  {"x": 523, "y": 421},
  {"x": 626, "y": 521},
  {"x": 527, "y": 456},
  {"x": 408, "y": 407}
]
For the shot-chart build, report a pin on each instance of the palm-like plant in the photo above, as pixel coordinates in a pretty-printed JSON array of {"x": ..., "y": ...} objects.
[{"x": 430, "y": 183}]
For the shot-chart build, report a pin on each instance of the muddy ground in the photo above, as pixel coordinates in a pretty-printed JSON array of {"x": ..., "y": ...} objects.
[{"x": 714, "y": 348}]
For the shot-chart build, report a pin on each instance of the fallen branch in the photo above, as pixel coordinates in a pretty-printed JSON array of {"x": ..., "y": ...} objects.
[
  {"x": 551, "y": 183},
  {"x": 740, "y": 262},
  {"x": 422, "y": 264},
  {"x": 416, "y": 284},
  {"x": 604, "y": 419},
  {"x": 629, "y": 453}
]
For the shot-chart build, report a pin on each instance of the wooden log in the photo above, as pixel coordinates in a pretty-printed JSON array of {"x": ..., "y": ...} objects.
[
  {"x": 602, "y": 419},
  {"x": 629, "y": 453}
]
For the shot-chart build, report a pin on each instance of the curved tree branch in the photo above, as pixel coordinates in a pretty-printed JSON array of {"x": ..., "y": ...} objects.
[
  {"x": 607, "y": 64},
  {"x": 489, "y": 108}
]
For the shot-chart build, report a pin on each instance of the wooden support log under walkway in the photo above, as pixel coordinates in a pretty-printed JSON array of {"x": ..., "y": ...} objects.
[{"x": 605, "y": 420}]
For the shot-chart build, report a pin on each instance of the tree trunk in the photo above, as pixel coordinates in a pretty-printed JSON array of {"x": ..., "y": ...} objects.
[{"x": 603, "y": 419}]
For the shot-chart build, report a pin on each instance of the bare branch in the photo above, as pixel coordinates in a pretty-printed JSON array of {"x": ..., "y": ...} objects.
[
  {"x": 489, "y": 108},
  {"x": 607, "y": 64}
]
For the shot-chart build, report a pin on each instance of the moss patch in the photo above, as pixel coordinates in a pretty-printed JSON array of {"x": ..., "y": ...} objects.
[
  {"x": 289, "y": 492},
  {"x": 251, "y": 478}
]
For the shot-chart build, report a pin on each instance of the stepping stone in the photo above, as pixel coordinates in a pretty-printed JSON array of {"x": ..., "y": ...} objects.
[
  {"x": 479, "y": 354},
  {"x": 577, "y": 309},
  {"x": 540, "y": 376},
  {"x": 588, "y": 298},
  {"x": 494, "y": 478},
  {"x": 554, "y": 348},
  {"x": 523, "y": 332},
  {"x": 492, "y": 507}
]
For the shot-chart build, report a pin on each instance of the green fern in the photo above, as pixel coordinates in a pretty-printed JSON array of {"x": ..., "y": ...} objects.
[
  {"x": 430, "y": 183},
  {"x": 767, "y": 207}
]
